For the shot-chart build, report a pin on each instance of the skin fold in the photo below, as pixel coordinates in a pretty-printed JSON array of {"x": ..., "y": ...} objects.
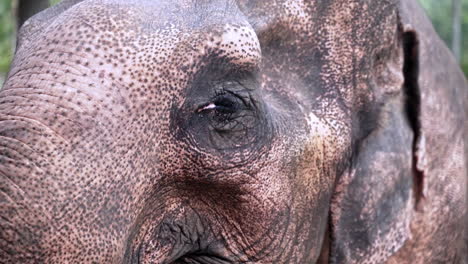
[{"x": 219, "y": 131}]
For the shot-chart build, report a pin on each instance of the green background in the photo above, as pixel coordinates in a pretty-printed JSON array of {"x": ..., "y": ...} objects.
[{"x": 439, "y": 11}]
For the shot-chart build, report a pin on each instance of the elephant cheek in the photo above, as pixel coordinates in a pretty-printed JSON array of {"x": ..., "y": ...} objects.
[
  {"x": 316, "y": 172},
  {"x": 323, "y": 150}
]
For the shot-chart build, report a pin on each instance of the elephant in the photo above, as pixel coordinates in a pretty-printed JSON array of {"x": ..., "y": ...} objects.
[{"x": 233, "y": 131}]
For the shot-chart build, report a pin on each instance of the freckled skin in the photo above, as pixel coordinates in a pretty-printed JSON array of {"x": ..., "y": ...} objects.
[{"x": 221, "y": 131}]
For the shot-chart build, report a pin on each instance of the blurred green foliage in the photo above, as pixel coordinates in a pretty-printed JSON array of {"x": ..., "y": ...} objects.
[
  {"x": 6, "y": 33},
  {"x": 438, "y": 10}
]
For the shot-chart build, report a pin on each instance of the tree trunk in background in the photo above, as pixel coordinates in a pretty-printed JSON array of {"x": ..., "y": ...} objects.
[
  {"x": 456, "y": 29},
  {"x": 28, "y": 8}
]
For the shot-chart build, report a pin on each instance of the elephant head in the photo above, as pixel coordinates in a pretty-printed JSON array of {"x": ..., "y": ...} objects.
[{"x": 221, "y": 131}]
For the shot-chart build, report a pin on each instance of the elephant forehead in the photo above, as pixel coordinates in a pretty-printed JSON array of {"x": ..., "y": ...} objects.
[
  {"x": 155, "y": 33},
  {"x": 118, "y": 51}
]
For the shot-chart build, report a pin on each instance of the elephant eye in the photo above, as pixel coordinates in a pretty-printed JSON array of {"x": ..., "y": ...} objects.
[
  {"x": 228, "y": 112},
  {"x": 223, "y": 115},
  {"x": 224, "y": 104}
]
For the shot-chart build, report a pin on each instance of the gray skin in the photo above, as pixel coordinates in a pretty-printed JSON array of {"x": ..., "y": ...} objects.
[{"x": 217, "y": 131}]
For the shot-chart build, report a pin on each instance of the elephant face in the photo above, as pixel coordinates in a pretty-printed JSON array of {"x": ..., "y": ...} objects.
[{"x": 228, "y": 132}]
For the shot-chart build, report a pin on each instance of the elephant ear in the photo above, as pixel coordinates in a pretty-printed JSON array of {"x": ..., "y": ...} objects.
[
  {"x": 374, "y": 200},
  {"x": 411, "y": 167}
]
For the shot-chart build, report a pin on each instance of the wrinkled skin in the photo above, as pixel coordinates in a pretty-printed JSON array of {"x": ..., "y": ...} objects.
[{"x": 221, "y": 131}]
